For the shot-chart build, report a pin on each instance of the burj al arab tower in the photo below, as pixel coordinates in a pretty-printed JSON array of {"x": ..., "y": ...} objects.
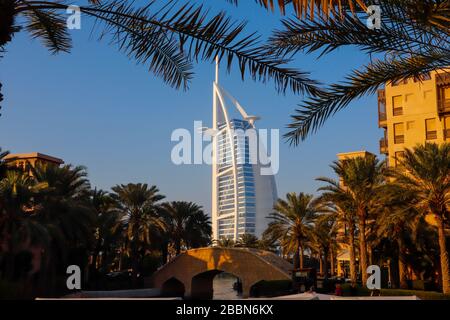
[{"x": 242, "y": 197}]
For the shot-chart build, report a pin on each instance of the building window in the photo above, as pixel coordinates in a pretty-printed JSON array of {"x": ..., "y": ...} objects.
[
  {"x": 444, "y": 99},
  {"x": 447, "y": 127},
  {"x": 430, "y": 127},
  {"x": 397, "y": 105},
  {"x": 399, "y": 155},
  {"x": 399, "y": 133}
]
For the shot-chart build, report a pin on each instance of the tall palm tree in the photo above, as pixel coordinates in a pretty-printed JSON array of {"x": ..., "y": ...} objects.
[
  {"x": 323, "y": 239},
  {"x": 412, "y": 40},
  {"x": 362, "y": 178},
  {"x": 139, "y": 220},
  {"x": 105, "y": 239},
  {"x": 65, "y": 203},
  {"x": 64, "y": 209},
  {"x": 292, "y": 223},
  {"x": 19, "y": 228},
  {"x": 187, "y": 224},
  {"x": 337, "y": 201},
  {"x": 426, "y": 175},
  {"x": 398, "y": 222},
  {"x": 165, "y": 37},
  {"x": 247, "y": 240}
]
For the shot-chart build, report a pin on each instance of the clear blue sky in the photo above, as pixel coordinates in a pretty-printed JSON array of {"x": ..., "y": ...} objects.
[{"x": 94, "y": 107}]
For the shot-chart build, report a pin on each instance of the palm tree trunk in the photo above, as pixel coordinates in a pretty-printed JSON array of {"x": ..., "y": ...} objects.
[
  {"x": 296, "y": 261},
  {"x": 325, "y": 263},
  {"x": 320, "y": 263},
  {"x": 178, "y": 247},
  {"x": 164, "y": 252},
  {"x": 402, "y": 264},
  {"x": 444, "y": 255},
  {"x": 332, "y": 267},
  {"x": 362, "y": 248},
  {"x": 301, "y": 257},
  {"x": 351, "y": 246}
]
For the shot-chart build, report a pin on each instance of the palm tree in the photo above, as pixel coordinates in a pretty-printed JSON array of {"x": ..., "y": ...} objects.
[
  {"x": 247, "y": 240},
  {"x": 362, "y": 178},
  {"x": 19, "y": 228},
  {"x": 225, "y": 243},
  {"x": 104, "y": 236},
  {"x": 187, "y": 224},
  {"x": 323, "y": 240},
  {"x": 65, "y": 203},
  {"x": 166, "y": 38},
  {"x": 398, "y": 222},
  {"x": 337, "y": 201},
  {"x": 426, "y": 175},
  {"x": 139, "y": 221},
  {"x": 64, "y": 209},
  {"x": 292, "y": 224},
  {"x": 413, "y": 40}
]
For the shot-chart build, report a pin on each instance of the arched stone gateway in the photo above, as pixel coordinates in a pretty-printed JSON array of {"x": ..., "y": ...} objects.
[{"x": 196, "y": 268}]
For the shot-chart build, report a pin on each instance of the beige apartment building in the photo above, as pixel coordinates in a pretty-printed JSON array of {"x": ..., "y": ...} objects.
[{"x": 413, "y": 112}]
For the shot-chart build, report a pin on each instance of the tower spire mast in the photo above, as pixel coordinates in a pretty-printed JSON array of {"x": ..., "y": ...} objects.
[{"x": 217, "y": 69}]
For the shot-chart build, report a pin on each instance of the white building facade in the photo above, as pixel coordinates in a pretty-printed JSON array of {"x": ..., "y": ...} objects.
[{"x": 242, "y": 198}]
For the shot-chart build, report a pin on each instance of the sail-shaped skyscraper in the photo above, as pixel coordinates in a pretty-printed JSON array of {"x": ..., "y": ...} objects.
[{"x": 242, "y": 197}]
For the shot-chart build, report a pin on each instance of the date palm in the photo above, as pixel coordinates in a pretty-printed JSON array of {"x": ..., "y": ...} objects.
[
  {"x": 225, "y": 242},
  {"x": 19, "y": 226},
  {"x": 338, "y": 202},
  {"x": 362, "y": 178},
  {"x": 105, "y": 239},
  {"x": 292, "y": 223},
  {"x": 426, "y": 175},
  {"x": 323, "y": 240},
  {"x": 413, "y": 39},
  {"x": 166, "y": 37},
  {"x": 247, "y": 240},
  {"x": 139, "y": 219},
  {"x": 398, "y": 222},
  {"x": 187, "y": 225}
]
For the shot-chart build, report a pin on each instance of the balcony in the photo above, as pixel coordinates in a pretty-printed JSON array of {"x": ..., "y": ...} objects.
[
  {"x": 443, "y": 79},
  {"x": 444, "y": 105},
  {"x": 382, "y": 109},
  {"x": 383, "y": 146}
]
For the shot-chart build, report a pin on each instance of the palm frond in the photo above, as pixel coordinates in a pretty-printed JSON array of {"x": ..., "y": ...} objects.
[
  {"x": 308, "y": 8},
  {"x": 48, "y": 26},
  {"x": 169, "y": 38},
  {"x": 313, "y": 113},
  {"x": 412, "y": 39}
]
